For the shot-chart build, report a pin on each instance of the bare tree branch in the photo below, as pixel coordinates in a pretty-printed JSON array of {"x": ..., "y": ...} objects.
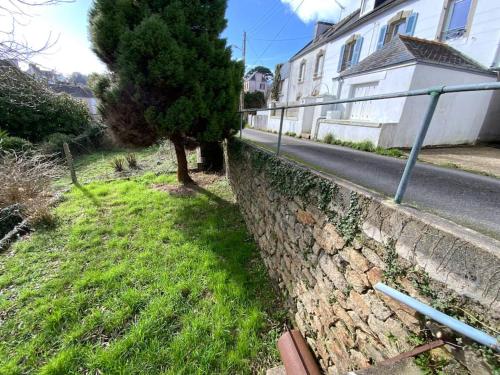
[{"x": 11, "y": 48}]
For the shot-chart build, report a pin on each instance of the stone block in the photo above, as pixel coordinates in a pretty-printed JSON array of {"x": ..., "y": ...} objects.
[
  {"x": 358, "y": 281},
  {"x": 373, "y": 258},
  {"x": 305, "y": 217},
  {"x": 332, "y": 272},
  {"x": 358, "y": 304},
  {"x": 355, "y": 259},
  {"x": 328, "y": 238},
  {"x": 374, "y": 275}
]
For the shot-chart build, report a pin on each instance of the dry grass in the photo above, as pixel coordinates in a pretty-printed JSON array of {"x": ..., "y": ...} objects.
[{"x": 26, "y": 179}]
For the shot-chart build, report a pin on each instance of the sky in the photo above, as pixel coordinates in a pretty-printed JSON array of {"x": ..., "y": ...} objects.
[{"x": 276, "y": 29}]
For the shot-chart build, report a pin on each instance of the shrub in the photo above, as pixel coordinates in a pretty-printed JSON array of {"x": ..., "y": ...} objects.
[
  {"x": 132, "y": 161},
  {"x": 118, "y": 164},
  {"x": 15, "y": 144},
  {"x": 30, "y": 110},
  {"x": 329, "y": 138},
  {"x": 291, "y": 134},
  {"x": 26, "y": 180},
  {"x": 53, "y": 144}
]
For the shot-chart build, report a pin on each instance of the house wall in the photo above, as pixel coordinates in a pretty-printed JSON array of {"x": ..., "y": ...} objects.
[
  {"x": 481, "y": 42},
  {"x": 459, "y": 117},
  {"x": 386, "y": 113}
]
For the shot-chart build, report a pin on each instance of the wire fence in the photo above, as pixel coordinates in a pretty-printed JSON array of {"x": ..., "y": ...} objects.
[{"x": 433, "y": 92}]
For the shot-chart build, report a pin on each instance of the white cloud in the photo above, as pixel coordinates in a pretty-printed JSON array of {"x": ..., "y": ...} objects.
[
  {"x": 70, "y": 53},
  {"x": 324, "y": 10}
]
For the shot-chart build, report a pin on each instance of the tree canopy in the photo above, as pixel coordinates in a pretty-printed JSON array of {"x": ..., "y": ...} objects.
[
  {"x": 168, "y": 60},
  {"x": 261, "y": 69}
]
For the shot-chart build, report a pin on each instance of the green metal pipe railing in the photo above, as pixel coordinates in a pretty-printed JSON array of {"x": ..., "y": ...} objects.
[{"x": 434, "y": 92}]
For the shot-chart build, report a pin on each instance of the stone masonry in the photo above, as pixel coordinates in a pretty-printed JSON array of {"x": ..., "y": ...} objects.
[{"x": 327, "y": 242}]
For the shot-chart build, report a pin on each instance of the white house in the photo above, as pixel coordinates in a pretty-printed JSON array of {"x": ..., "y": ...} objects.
[
  {"x": 256, "y": 81},
  {"x": 389, "y": 46},
  {"x": 82, "y": 93}
]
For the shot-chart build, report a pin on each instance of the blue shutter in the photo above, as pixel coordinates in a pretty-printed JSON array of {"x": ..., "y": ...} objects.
[
  {"x": 381, "y": 37},
  {"x": 342, "y": 50},
  {"x": 411, "y": 23},
  {"x": 357, "y": 51}
]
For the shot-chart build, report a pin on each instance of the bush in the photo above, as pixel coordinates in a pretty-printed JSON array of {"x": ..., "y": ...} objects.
[
  {"x": 26, "y": 180},
  {"x": 53, "y": 144},
  {"x": 291, "y": 134},
  {"x": 30, "y": 110},
  {"x": 15, "y": 144},
  {"x": 329, "y": 138}
]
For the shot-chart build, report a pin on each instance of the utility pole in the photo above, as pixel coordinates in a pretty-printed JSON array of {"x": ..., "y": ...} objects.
[{"x": 242, "y": 94}]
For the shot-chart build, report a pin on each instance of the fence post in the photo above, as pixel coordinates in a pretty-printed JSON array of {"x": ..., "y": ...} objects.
[
  {"x": 69, "y": 159},
  {"x": 241, "y": 125},
  {"x": 412, "y": 159},
  {"x": 281, "y": 130}
]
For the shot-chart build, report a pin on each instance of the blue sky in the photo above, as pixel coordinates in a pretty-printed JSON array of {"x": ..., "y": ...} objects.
[{"x": 276, "y": 30}]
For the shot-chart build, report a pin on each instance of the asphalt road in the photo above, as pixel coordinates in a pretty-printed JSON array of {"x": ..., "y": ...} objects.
[{"x": 467, "y": 199}]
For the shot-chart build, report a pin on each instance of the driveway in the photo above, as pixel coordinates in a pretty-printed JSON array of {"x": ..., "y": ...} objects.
[{"x": 467, "y": 199}]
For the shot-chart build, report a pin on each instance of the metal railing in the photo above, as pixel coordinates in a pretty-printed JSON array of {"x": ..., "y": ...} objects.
[{"x": 434, "y": 93}]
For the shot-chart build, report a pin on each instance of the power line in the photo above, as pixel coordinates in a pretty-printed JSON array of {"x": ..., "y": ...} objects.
[
  {"x": 266, "y": 17},
  {"x": 279, "y": 32},
  {"x": 282, "y": 40}
]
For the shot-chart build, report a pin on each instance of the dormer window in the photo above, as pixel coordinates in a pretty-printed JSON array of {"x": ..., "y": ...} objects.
[
  {"x": 350, "y": 52},
  {"x": 318, "y": 67},
  {"x": 403, "y": 23},
  {"x": 457, "y": 19},
  {"x": 302, "y": 71}
]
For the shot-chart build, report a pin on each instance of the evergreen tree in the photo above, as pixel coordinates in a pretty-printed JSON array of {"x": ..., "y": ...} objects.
[{"x": 167, "y": 55}]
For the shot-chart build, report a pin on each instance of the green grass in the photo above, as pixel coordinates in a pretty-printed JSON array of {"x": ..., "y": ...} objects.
[
  {"x": 98, "y": 165},
  {"x": 132, "y": 280},
  {"x": 367, "y": 146}
]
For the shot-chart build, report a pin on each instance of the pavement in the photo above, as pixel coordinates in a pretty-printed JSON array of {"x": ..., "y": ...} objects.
[
  {"x": 485, "y": 160},
  {"x": 468, "y": 199}
]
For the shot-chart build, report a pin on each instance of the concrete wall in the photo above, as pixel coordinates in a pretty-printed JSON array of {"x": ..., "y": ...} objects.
[
  {"x": 458, "y": 118},
  {"x": 326, "y": 243}
]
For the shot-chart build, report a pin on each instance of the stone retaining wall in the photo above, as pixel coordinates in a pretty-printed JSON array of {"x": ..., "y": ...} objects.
[{"x": 327, "y": 242}]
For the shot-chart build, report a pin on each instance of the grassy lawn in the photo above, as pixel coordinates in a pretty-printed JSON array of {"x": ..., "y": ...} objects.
[{"x": 133, "y": 279}]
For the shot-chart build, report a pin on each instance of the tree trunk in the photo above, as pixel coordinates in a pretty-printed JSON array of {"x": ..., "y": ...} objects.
[
  {"x": 182, "y": 164},
  {"x": 213, "y": 156}
]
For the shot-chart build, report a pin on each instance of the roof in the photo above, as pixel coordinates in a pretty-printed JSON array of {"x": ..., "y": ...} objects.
[
  {"x": 404, "y": 49},
  {"x": 73, "y": 90},
  {"x": 346, "y": 24}
]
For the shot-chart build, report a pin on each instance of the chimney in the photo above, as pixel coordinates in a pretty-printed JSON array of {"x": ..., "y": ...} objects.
[{"x": 321, "y": 28}]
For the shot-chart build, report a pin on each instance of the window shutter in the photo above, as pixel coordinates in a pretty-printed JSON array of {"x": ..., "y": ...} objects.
[
  {"x": 342, "y": 50},
  {"x": 381, "y": 37},
  {"x": 357, "y": 51},
  {"x": 411, "y": 23}
]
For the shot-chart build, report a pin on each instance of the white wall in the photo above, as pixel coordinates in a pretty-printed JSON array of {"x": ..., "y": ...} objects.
[
  {"x": 481, "y": 43},
  {"x": 458, "y": 118}
]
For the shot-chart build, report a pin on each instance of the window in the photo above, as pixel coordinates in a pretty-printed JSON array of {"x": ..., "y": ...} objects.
[
  {"x": 262, "y": 86},
  {"x": 403, "y": 23},
  {"x": 349, "y": 53},
  {"x": 318, "y": 67},
  {"x": 363, "y": 111},
  {"x": 457, "y": 18},
  {"x": 302, "y": 71}
]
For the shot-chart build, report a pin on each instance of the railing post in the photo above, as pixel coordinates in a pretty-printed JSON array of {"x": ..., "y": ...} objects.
[
  {"x": 241, "y": 125},
  {"x": 412, "y": 159},
  {"x": 281, "y": 131}
]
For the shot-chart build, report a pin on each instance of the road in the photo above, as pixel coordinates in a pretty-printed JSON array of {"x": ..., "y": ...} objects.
[{"x": 465, "y": 198}]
